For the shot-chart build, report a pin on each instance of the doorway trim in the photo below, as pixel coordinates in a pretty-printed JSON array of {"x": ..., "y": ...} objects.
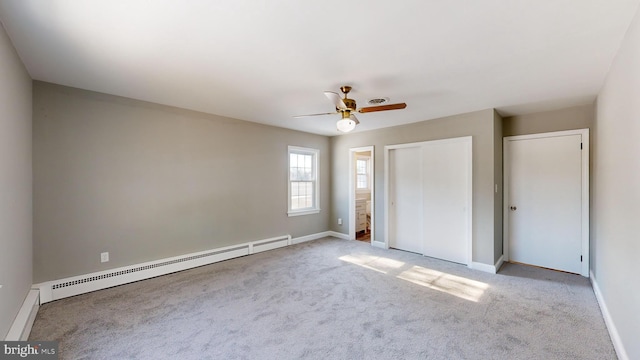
[
  {"x": 387, "y": 196},
  {"x": 584, "y": 198},
  {"x": 352, "y": 190}
]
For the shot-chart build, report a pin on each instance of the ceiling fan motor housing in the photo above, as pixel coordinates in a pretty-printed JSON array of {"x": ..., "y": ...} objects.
[{"x": 349, "y": 103}]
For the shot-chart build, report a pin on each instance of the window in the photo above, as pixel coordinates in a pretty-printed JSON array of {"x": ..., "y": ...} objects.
[
  {"x": 362, "y": 173},
  {"x": 303, "y": 181}
]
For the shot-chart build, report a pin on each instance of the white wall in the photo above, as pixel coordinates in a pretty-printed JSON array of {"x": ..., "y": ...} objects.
[
  {"x": 616, "y": 189},
  {"x": 15, "y": 183}
]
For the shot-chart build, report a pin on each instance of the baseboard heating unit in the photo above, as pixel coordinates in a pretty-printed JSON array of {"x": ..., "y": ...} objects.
[{"x": 58, "y": 289}]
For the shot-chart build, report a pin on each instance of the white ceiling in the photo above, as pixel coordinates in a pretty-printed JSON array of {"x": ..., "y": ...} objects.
[{"x": 265, "y": 61}]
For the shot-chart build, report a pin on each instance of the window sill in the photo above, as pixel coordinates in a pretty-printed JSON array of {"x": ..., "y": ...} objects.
[{"x": 303, "y": 212}]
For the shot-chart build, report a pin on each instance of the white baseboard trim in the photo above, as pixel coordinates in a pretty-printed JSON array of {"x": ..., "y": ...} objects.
[
  {"x": 339, "y": 235},
  {"x": 21, "y": 327},
  {"x": 493, "y": 269},
  {"x": 613, "y": 332},
  {"x": 62, "y": 288},
  {"x": 310, "y": 237},
  {"x": 499, "y": 263},
  {"x": 320, "y": 235},
  {"x": 378, "y": 244}
]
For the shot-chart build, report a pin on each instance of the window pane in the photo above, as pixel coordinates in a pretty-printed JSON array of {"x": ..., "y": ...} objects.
[
  {"x": 302, "y": 178},
  {"x": 362, "y": 174},
  {"x": 307, "y": 161},
  {"x": 301, "y": 195},
  {"x": 301, "y": 167},
  {"x": 295, "y": 195},
  {"x": 362, "y": 182},
  {"x": 301, "y": 161},
  {"x": 295, "y": 203},
  {"x": 310, "y": 186},
  {"x": 361, "y": 166}
]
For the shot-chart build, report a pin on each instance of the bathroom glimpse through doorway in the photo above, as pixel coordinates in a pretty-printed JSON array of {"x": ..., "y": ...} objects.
[{"x": 361, "y": 193}]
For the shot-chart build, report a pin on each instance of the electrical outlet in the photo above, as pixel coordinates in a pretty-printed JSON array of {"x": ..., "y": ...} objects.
[
  {"x": 339, "y": 221},
  {"x": 104, "y": 257}
]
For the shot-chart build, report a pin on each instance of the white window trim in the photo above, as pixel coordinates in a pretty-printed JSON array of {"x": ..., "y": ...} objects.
[
  {"x": 316, "y": 190},
  {"x": 366, "y": 190}
]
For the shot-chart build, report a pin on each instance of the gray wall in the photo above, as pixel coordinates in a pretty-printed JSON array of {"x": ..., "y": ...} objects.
[
  {"x": 578, "y": 117},
  {"x": 616, "y": 189},
  {"x": 144, "y": 181},
  {"x": 478, "y": 124},
  {"x": 15, "y": 184}
]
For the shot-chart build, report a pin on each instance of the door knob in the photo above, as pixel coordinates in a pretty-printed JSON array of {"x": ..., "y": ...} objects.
[{"x": 513, "y": 208}]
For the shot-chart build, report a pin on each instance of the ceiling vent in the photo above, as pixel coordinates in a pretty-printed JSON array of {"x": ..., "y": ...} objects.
[{"x": 378, "y": 101}]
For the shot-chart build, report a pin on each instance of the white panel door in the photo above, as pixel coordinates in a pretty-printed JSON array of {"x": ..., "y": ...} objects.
[
  {"x": 405, "y": 190},
  {"x": 545, "y": 202},
  {"x": 446, "y": 184}
]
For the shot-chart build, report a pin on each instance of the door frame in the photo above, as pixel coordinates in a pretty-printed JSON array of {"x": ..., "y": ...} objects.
[
  {"x": 466, "y": 139},
  {"x": 352, "y": 190},
  {"x": 585, "y": 190}
]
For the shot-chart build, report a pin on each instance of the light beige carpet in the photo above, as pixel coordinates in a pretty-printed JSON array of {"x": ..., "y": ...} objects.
[{"x": 334, "y": 299}]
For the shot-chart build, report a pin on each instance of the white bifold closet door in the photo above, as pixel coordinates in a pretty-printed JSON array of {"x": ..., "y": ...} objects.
[
  {"x": 430, "y": 199},
  {"x": 406, "y": 199},
  {"x": 446, "y": 192}
]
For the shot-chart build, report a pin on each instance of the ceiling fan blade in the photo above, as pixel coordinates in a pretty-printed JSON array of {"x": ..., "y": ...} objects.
[
  {"x": 383, "y": 108},
  {"x": 335, "y": 99},
  {"x": 301, "y": 116},
  {"x": 354, "y": 118}
]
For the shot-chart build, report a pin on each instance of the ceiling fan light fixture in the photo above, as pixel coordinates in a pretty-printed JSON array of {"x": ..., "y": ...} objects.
[
  {"x": 345, "y": 125},
  {"x": 347, "y": 108}
]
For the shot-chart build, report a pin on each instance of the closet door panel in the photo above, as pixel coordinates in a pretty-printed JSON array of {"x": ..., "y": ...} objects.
[
  {"x": 445, "y": 187},
  {"x": 405, "y": 222}
]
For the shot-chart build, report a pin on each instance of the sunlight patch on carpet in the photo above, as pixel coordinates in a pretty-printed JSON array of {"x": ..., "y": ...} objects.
[
  {"x": 436, "y": 280},
  {"x": 454, "y": 285},
  {"x": 376, "y": 263}
]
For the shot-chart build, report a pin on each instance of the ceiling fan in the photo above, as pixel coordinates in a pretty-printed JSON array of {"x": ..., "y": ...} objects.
[{"x": 347, "y": 107}]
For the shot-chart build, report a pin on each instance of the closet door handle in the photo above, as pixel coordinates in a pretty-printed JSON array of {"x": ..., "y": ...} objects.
[{"x": 513, "y": 208}]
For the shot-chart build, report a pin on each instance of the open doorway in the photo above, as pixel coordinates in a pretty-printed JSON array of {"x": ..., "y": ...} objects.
[{"x": 361, "y": 194}]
